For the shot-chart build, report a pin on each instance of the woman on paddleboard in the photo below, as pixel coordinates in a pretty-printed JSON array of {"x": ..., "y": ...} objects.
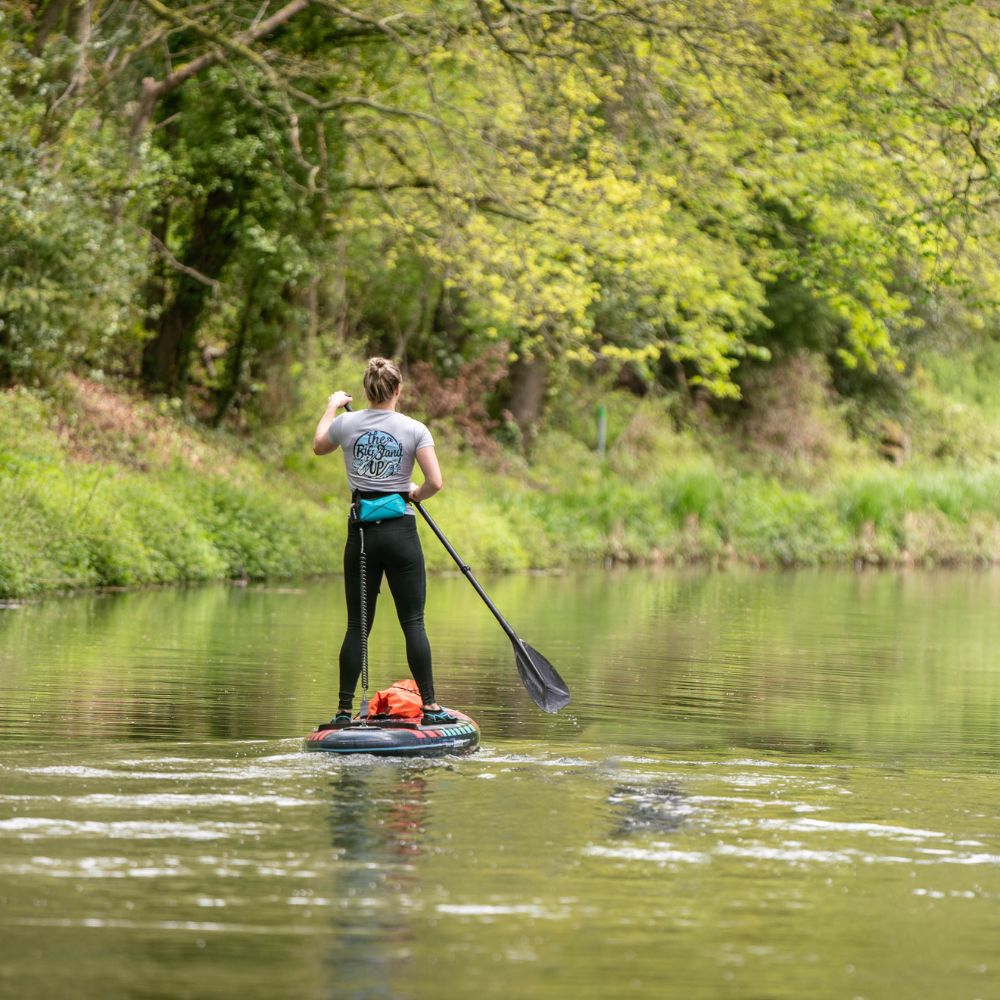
[{"x": 380, "y": 447}]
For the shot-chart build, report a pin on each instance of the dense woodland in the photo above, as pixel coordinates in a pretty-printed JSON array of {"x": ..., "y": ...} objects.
[{"x": 200, "y": 198}]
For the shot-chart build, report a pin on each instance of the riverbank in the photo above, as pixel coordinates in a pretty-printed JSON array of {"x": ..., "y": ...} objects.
[{"x": 103, "y": 488}]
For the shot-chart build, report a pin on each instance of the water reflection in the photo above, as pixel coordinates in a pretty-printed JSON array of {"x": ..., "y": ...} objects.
[
  {"x": 803, "y": 663},
  {"x": 378, "y": 819},
  {"x": 255, "y": 869}
]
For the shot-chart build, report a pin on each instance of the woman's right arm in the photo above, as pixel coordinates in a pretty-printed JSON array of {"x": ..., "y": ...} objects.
[{"x": 322, "y": 445}]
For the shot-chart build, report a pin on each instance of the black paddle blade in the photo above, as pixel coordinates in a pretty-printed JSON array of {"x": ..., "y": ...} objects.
[{"x": 541, "y": 680}]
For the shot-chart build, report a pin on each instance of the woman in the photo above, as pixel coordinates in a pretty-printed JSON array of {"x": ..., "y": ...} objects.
[{"x": 380, "y": 447}]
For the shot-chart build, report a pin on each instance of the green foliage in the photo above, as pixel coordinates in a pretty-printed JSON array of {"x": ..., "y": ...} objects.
[
  {"x": 70, "y": 527},
  {"x": 68, "y": 270},
  {"x": 685, "y": 190},
  {"x": 157, "y": 514},
  {"x": 67, "y": 524},
  {"x": 260, "y": 535},
  {"x": 879, "y": 498},
  {"x": 954, "y": 404},
  {"x": 772, "y": 524},
  {"x": 695, "y": 492},
  {"x": 792, "y": 200}
]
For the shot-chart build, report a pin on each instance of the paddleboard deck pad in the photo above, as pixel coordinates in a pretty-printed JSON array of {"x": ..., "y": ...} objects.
[{"x": 385, "y": 736}]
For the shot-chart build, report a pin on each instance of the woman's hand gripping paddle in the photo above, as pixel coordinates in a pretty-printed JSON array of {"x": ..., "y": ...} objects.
[{"x": 540, "y": 679}]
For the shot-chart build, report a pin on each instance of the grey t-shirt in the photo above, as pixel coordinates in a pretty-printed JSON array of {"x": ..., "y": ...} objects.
[{"x": 379, "y": 448}]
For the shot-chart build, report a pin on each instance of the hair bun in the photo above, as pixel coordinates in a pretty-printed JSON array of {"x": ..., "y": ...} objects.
[{"x": 382, "y": 379}]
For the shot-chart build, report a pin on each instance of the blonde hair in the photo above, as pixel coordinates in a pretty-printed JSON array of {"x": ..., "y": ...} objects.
[{"x": 382, "y": 379}]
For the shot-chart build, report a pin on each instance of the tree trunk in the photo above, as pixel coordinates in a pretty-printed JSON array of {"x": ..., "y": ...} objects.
[
  {"x": 6, "y": 370},
  {"x": 235, "y": 361},
  {"x": 82, "y": 32},
  {"x": 166, "y": 360},
  {"x": 52, "y": 13},
  {"x": 528, "y": 382},
  {"x": 155, "y": 287}
]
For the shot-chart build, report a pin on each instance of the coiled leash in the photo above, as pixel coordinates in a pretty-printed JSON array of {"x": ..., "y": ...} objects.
[{"x": 363, "y": 711}]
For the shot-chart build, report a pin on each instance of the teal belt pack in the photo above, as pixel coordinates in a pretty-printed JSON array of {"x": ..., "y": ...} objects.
[{"x": 381, "y": 508}]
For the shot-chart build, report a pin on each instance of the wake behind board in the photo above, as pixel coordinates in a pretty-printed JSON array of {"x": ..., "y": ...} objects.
[{"x": 385, "y": 736}]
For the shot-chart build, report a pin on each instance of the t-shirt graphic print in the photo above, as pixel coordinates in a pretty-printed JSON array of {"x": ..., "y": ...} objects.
[
  {"x": 380, "y": 447},
  {"x": 377, "y": 455}
]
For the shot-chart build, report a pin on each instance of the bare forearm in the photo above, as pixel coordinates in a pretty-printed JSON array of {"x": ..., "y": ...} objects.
[
  {"x": 433, "y": 481},
  {"x": 321, "y": 440},
  {"x": 322, "y": 445},
  {"x": 424, "y": 492}
]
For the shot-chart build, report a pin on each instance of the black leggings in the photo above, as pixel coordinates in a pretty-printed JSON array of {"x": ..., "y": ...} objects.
[{"x": 392, "y": 547}]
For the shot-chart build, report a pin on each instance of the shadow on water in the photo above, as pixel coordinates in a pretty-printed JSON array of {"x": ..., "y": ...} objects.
[
  {"x": 658, "y": 808},
  {"x": 379, "y": 818}
]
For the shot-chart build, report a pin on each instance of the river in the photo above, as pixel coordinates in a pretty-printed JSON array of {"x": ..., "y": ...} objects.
[{"x": 766, "y": 786}]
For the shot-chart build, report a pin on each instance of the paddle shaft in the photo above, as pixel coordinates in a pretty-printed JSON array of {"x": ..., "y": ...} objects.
[{"x": 464, "y": 567}]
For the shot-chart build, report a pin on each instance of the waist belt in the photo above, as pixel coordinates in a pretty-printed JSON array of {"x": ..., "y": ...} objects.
[{"x": 362, "y": 495}]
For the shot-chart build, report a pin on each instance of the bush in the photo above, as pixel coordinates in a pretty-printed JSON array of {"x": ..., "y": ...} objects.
[
  {"x": 788, "y": 527},
  {"x": 877, "y": 498},
  {"x": 695, "y": 492}
]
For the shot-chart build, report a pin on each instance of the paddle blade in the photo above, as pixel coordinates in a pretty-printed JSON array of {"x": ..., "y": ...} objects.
[{"x": 540, "y": 679}]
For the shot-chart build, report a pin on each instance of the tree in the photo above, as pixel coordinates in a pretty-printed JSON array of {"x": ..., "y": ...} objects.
[{"x": 680, "y": 186}]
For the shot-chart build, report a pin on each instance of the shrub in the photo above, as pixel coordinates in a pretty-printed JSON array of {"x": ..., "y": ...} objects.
[{"x": 789, "y": 527}]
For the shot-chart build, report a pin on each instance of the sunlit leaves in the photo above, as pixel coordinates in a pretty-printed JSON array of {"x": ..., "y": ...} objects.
[
  {"x": 620, "y": 203},
  {"x": 636, "y": 181}
]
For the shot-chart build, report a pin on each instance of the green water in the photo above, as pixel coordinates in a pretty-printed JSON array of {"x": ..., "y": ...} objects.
[{"x": 766, "y": 786}]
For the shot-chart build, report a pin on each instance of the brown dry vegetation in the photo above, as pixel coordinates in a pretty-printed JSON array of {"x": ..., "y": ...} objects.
[{"x": 97, "y": 424}]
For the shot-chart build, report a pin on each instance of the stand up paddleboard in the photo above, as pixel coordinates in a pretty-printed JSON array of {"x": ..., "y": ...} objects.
[
  {"x": 398, "y": 736},
  {"x": 392, "y": 737}
]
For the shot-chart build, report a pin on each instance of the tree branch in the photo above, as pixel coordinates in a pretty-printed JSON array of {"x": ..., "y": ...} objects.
[
  {"x": 161, "y": 248},
  {"x": 239, "y": 44}
]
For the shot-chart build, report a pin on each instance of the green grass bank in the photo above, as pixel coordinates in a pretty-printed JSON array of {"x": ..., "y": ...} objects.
[{"x": 99, "y": 488}]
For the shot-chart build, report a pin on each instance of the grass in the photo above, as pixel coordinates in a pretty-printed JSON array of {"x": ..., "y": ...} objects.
[{"x": 68, "y": 523}]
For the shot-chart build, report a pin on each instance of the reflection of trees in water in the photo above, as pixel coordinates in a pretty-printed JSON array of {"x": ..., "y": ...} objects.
[
  {"x": 811, "y": 661},
  {"x": 213, "y": 661},
  {"x": 378, "y": 823},
  {"x": 798, "y": 661}
]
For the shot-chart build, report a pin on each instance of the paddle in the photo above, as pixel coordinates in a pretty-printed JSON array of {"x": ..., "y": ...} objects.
[{"x": 541, "y": 680}]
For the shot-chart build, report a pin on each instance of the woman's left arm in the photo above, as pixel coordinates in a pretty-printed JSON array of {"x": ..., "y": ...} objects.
[{"x": 433, "y": 481}]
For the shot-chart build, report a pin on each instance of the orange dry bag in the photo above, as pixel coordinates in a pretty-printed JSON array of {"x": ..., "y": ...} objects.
[{"x": 401, "y": 701}]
